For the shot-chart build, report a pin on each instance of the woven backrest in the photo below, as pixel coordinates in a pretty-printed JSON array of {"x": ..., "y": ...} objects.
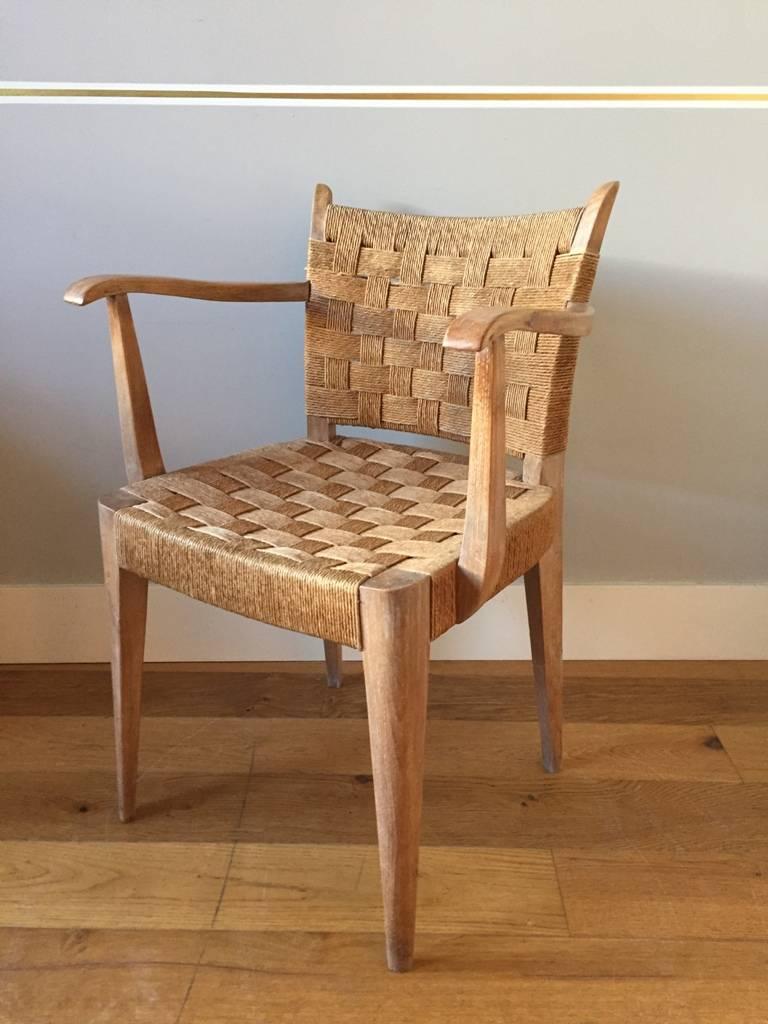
[{"x": 385, "y": 286}]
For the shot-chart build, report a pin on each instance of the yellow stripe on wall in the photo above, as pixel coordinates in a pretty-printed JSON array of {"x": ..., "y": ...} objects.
[{"x": 360, "y": 94}]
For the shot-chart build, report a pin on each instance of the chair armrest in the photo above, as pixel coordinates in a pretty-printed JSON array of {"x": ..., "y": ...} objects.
[
  {"x": 141, "y": 450},
  {"x": 481, "y": 331},
  {"x": 472, "y": 331},
  {"x": 88, "y": 289}
]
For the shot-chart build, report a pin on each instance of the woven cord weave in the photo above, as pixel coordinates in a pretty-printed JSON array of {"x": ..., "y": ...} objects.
[
  {"x": 384, "y": 288},
  {"x": 287, "y": 533}
]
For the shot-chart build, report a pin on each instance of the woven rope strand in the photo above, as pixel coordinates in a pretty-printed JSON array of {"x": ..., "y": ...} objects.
[{"x": 386, "y": 286}]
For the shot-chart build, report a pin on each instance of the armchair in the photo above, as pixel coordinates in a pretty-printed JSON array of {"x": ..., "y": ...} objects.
[{"x": 461, "y": 328}]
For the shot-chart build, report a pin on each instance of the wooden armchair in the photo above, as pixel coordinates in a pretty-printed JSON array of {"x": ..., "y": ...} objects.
[{"x": 413, "y": 323}]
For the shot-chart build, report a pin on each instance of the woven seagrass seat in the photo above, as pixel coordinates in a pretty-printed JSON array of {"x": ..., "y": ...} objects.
[
  {"x": 464, "y": 328},
  {"x": 287, "y": 533}
]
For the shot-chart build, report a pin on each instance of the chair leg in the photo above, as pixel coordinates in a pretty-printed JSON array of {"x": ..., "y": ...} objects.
[
  {"x": 396, "y": 634},
  {"x": 544, "y": 597},
  {"x": 128, "y": 606},
  {"x": 334, "y": 663}
]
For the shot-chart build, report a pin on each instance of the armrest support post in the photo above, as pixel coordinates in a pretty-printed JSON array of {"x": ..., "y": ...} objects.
[
  {"x": 482, "y": 331},
  {"x": 141, "y": 450},
  {"x": 484, "y": 541}
]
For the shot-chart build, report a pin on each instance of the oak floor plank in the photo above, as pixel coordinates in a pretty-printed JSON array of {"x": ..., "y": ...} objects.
[
  {"x": 122, "y": 885},
  {"x": 142, "y": 994},
  {"x": 747, "y": 747},
  {"x": 651, "y": 847},
  {"x": 336, "y": 888},
  {"x": 466, "y": 749},
  {"x": 692, "y": 896},
  {"x": 327, "y": 953},
  {"x": 500, "y": 750},
  {"x": 298, "y": 953},
  {"x": 188, "y": 745},
  {"x": 479, "y": 692},
  {"x": 527, "y": 809},
  {"x": 78, "y": 806},
  {"x": 55, "y": 948},
  {"x": 227, "y": 996},
  {"x": 533, "y": 811}
]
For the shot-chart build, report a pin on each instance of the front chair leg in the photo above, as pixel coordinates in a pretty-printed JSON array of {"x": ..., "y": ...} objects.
[
  {"x": 128, "y": 607},
  {"x": 396, "y": 634},
  {"x": 544, "y": 597},
  {"x": 334, "y": 663}
]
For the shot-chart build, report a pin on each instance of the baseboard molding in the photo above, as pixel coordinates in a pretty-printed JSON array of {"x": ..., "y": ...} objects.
[{"x": 40, "y": 624}]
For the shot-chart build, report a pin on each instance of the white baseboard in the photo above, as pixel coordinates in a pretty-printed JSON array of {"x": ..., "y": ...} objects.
[{"x": 665, "y": 621}]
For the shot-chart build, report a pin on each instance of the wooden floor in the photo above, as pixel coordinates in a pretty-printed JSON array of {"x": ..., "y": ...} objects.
[{"x": 631, "y": 888}]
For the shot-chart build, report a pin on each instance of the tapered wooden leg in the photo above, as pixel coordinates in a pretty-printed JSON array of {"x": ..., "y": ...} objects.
[
  {"x": 128, "y": 607},
  {"x": 544, "y": 597},
  {"x": 395, "y": 619},
  {"x": 334, "y": 664}
]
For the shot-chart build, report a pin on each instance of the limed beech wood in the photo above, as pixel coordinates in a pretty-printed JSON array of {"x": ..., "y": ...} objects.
[
  {"x": 321, "y": 429},
  {"x": 127, "y": 595},
  {"x": 394, "y": 606},
  {"x": 395, "y": 611},
  {"x": 482, "y": 331},
  {"x": 89, "y": 289},
  {"x": 141, "y": 450},
  {"x": 544, "y": 599}
]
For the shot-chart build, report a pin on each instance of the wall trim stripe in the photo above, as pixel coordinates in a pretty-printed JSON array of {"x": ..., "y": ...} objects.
[
  {"x": 44, "y": 624},
  {"x": 386, "y": 95}
]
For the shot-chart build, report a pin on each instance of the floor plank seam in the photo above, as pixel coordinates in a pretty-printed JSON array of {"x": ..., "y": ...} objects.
[
  {"x": 728, "y": 753},
  {"x": 560, "y": 890},
  {"x": 188, "y": 992},
  {"x": 235, "y": 842}
]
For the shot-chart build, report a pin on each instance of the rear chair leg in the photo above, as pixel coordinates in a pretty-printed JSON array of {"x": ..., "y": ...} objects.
[
  {"x": 544, "y": 597},
  {"x": 334, "y": 664},
  {"x": 128, "y": 607},
  {"x": 396, "y": 634}
]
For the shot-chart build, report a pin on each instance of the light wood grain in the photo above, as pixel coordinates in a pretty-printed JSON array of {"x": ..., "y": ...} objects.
[
  {"x": 657, "y": 848},
  {"x": 77, "y": 806},
  {"x": 592, "y": 225},
  {"x": 684, "y": 896},
  {"x": 608, "y": 668},
  {"x": 206, "y": 746},
  {"x": 141, "y": 994},
  {"x": 669, "y": 693},
  {"x": 90, "y": 289},
  {"x": 485, "y": 532},
  {"x": 459, "y": 957},
  {"x": 501, "y": 751},
  {"x": 544, "y": 602},
  {"x": 73, "y": 976},
  {"x": 396, "y": 629},
  {"x": 56, "y": 948},
  {"x": 747, "y": 747},
  {"x": 127, "y": 596},
  {"x": 334, "y": 663},
  {"x": 336, "y": 888},
  {"x": 230, "y": 997},
  {"x": 141, "y": 450},
  {"x": 101, "y": 884},
  {"x": 533, "y": 810}
]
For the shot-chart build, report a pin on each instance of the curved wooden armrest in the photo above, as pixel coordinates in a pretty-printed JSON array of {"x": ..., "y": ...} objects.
[
  {"x": 472, "y": 331},
  {"x": 484, "y": 541},
  {"x": 88, "y": 289}
]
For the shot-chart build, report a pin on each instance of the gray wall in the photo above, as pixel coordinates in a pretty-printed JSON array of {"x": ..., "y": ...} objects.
[
  {"x": 667, "y": 458},
  {"x": 443, "y": 42}
]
